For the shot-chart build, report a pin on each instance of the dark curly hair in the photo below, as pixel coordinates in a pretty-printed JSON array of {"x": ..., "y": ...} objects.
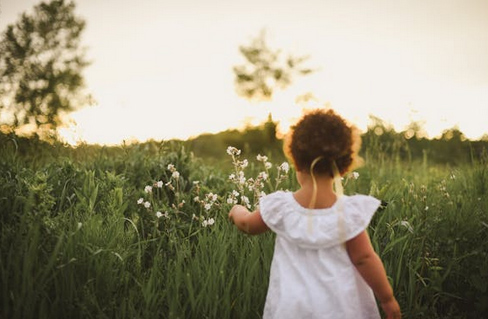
[{"x": 325, "y": 137}]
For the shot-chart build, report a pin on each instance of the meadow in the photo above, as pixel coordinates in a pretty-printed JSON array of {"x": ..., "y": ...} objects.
[{"x": 141, "y": 231}]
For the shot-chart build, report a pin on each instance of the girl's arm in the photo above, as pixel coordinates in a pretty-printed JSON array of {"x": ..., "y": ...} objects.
[
  {"x": 249, "y": 223},
  {"x": 371, "y": 268}
]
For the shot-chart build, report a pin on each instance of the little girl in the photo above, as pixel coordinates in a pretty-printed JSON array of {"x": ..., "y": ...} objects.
[{"x": 323, "y": 264}]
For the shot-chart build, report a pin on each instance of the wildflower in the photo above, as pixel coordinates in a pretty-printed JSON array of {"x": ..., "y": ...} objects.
[
  {"x": 242, "y": 178},
  {"x": 243, "y": 163},
  {"x": 285, "y": 167},
  {"x": 268, "y": 165},
  {"x": 79, "y": 225},
  {"x": 426, "y": 208},
  {"x": 235, "y": 193},
  {"x": 159, "y": 184},
  {"x": 175, "y": 175},
  {"x": 231, "y": 150},
  {"x": 148, "y": 189},
  {"x": 140, "y": 201},
  {"x": 232, "y": 176},
  {"x": 263, "y": 176},
  {"x": 196, "y": 182},
  {"x": 245, "y": 201},
  {"x": 207, "y": 206},
  {"x": 147, "y": 204},
  {"x": 196, "y": 199},
  {"x": 261, "y": 158},
  {"x": 171, "y": 168},
  {"x": 231, "y": 200},
  {"x": 208, "y": 222},
  {"x": 159, "y": 214},
  {"x": 355, "y": 175}
]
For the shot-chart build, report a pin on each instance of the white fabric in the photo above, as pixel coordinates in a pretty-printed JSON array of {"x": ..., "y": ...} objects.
[{"x": 311, "y": 273}]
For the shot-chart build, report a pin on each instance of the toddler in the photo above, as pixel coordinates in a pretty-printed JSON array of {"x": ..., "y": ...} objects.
[{"x": 324, "y": 265}]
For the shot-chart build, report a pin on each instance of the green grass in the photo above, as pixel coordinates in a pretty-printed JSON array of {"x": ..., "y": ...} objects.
[{"x": 76, "y": 244}]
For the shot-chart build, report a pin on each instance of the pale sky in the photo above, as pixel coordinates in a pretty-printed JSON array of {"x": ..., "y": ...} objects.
[{"x": 163, "y": 69}]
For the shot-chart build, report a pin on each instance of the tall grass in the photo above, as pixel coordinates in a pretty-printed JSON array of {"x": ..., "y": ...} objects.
[{"x": 75, "y": 242}]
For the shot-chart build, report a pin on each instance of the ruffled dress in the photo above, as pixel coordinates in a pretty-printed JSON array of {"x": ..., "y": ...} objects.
[{"x": 311, "y": 273}]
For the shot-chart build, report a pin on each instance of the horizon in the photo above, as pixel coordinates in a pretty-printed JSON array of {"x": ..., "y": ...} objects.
[{"x": 163, "y": 70}]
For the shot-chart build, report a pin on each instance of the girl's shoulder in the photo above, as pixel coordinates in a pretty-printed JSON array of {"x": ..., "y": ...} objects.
[{"x": 348, "y": 217}]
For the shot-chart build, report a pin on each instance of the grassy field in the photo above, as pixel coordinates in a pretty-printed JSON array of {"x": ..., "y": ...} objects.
[{"x": 141, "y": 231}]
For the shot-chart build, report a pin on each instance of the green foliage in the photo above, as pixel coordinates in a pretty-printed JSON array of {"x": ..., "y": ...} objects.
[
  {"x": 265, "y": 70},
  {"x": 40, "y": 66},
  {"x": 76, "y": 243}
]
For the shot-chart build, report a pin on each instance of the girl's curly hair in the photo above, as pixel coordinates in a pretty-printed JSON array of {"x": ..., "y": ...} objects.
[{"x": 324, "y": 137}]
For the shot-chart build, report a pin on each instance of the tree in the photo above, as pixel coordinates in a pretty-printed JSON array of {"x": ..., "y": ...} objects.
[
  {"x": 40, "y": 67},
  {"x": 265, "y": 70}
]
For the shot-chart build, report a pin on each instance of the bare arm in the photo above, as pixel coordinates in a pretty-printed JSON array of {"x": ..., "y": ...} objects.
[
  {"x": 247, "y": 222},
  {"x": 369, "y": 265}
]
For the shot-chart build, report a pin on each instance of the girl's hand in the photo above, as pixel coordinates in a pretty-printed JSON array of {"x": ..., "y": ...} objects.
[
  {"x": 391, "y": 309},
  {"x": 247, "y": 222}
]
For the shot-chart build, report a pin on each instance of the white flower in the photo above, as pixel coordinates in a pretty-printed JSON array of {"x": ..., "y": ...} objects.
[
  {"x": 263, "y": 176},
  {"x": 262, "y": 194},
  {"x": 355, "y": 175},
  {"x": 207, "y": 206},
  {"x": 208, "y": 222},
  {"x": 171, "y": 168},
  {"x": 159, "y": 214},
  {"x": 148, "y": 189},
  {"x": 235, "y": 193},
  {"x": 140, "y": 201},
  {"x": 268, "y": 165},
  {"x": 231, "y": 150},
  {"x": 79, "y": 225},
  {"x": 175, "y": 175},
  {"x": 159, "y": 184},
  {"x": 196, "y": 199},
  {"x": 245, "y": 200},
  {"x": 244, "y": 163},
  {"x": 147, "y": 204},
  {"x": 285, "y": 167},
  {"x": 261, "y": 158},
  {"x": 232, "y": 176}
]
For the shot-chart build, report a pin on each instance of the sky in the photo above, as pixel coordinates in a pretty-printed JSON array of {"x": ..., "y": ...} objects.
[{"x": 162, "y": 69}]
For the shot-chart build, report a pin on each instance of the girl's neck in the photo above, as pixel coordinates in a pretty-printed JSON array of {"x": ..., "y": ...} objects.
[{"x": 325, "y": 195}]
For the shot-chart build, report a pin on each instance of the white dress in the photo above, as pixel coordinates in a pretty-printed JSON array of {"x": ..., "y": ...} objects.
[{"x": 311, "y": 273}]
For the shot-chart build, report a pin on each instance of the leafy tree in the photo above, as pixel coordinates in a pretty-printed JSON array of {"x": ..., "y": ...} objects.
[
  {"x": 265, "y": 70},
  {"x": 41, "y": 61}
]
